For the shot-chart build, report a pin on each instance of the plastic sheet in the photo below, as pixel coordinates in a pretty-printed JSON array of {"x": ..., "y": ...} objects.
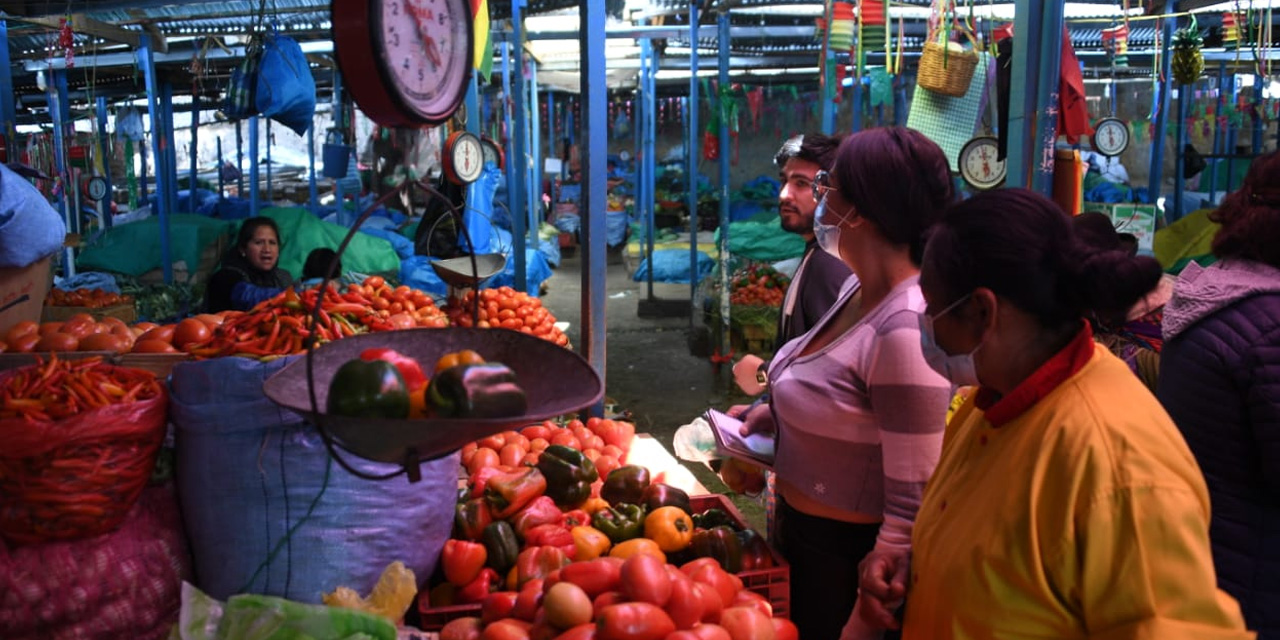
[
  {"x": 286, "y": 91},
  {"x": 250, "y": 473},
  {"x": 672, "y": 265},
  {"x": 252, "y": 617},
  {"x": 30, "y": 229}
]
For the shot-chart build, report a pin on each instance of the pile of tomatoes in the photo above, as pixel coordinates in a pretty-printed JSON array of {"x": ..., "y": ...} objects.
[
  {"x": 506, "y": 308},
  {"x": 605, "y": 442},
  {"x": 759, "y": 285},
  {"x": 640, "y": 598},
  {"x": 92, "y": 298},
  {"x": 80, "y": 332}
]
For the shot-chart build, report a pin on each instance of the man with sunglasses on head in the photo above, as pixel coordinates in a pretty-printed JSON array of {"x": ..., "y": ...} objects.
[{"x": 819, "y": 277}]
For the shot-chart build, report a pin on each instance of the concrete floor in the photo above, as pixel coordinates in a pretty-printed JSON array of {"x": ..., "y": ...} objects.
[{"x": 649, "y": 369}]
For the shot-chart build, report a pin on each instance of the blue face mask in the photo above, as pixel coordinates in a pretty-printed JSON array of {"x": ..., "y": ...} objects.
[
  {"x": 959, "y": 368},
  {"x": 827, "y": 235}
]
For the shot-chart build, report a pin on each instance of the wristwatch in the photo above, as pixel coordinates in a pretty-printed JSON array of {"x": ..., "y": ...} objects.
[{"x": 762, "y": 374}]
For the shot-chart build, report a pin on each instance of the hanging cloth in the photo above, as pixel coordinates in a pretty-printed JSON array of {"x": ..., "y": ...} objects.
[{"x": 1073, "y": 112}]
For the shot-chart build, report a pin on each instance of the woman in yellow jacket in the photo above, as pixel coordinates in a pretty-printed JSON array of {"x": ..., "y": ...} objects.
[{"x": 1065, "y": 503}]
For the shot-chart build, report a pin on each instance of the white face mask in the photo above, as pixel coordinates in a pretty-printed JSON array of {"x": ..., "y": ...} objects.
[
  {"x": 959, "y": 368},
  {"x": 827, "y": 235}
]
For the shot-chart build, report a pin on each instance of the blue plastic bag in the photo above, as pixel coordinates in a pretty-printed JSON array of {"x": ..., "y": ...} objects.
[
  {"x": 672, "y": 265},
  {"x": 286, "y": 91},
  {"x": 416, "y": 272},
  {"x": 478, "y": 214},
  {"x": 249, "y": 472},
  {"x": 30, "y": 229}
]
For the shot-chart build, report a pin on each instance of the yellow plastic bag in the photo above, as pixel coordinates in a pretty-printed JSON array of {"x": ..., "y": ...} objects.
[{"x": 390, "y": 598}]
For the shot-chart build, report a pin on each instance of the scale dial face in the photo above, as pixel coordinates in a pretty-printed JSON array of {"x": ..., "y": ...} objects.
[
  {"x": 491, "y": 151},
  {"x": 96, "y": 188},
  {"x": 979, "y": 165},
  {"x": 1110, "y": 137},
  {"x": 426, "y": 53},
  {"x": 465, "y": 157}
]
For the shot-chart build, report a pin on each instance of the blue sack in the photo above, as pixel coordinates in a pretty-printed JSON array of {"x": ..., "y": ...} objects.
[
  {"x": 268, "y": 512},
  {"x": 416, "y": 271},
  {"x": 286, "y": 91},
  {"x": 672, "y": 265},
  {"x": 30, "y": 229}
]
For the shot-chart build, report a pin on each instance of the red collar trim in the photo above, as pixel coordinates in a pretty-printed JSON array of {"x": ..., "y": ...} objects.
[{"x": 1052, "y": 373}]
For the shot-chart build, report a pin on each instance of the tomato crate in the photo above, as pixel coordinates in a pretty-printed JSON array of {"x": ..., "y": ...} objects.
[{"x": 773, "y": 583}]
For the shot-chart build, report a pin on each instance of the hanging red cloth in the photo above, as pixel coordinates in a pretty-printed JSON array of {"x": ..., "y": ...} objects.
[{"x": 1073, "y": 113}]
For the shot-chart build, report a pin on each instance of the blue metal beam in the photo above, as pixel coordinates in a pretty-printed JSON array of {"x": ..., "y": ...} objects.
[
  {"x": 313, "y": 192},
  {"x": 1180, "y": 135},
  {"x": 826, "y": 91},
  {"x": 594, "y": 198},
  {"x": 195, "y": 149},
  {"x": 253, "y": 167},
  {"x": 644, "y": 156},
  {"x": 1156, "y": 178},
  {"x": 170, "y": 191},
  {"x": 518, "y": 189},
  {"x": 1049, "y": 72},
  {"x": 472, "y": 102},
  {"x": 1023, "y": 156},
  {"x": 8, "y": 101},
  {"x": 239, "y": 160},
  {"x": 57, "y": 94},
  {"x": 147, "y": 62},
  {"x": 510, "y": 169},
  {"x": 222, "y": 186},
  {"x": 534, "y": 193},
  {"x": 270, "y": 185},
  {"x": 722, "y": 21},
  {"x": 691, "y": 162},
  {"x": 1259, "y": 125},
  {"x": 104, "y": 141}
]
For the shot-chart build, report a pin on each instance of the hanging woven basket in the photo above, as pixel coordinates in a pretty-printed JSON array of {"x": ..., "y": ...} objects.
[{"x": 946, "y": 68}]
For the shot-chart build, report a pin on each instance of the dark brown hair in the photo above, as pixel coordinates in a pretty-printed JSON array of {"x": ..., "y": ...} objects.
[
  {"x": 250, "y": 226},
  {"x": 814, "y": 147},
  {"x": 1250, "y": 216},
  {"x": 897, "y": 179},
  {"x": 1022, "y": 246}
]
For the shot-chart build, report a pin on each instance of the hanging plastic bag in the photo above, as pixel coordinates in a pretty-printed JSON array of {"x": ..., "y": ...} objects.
[
  {"x": 241, "y": 101},
  {"x": 286, "y": 91}
]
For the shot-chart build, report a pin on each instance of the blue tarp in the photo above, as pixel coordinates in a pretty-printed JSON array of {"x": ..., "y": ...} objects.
[
  {"x": 672, "y": 265},
  {"x": 30, "y": 229}
]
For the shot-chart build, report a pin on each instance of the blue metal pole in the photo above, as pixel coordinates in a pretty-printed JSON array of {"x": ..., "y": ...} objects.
[
  {"x": 147, "y": 61},
  {"x": 591, "y": 41},
  {"x": 1156, "y": 180},
  {"x": 1023, "y": 150},
  {"x": 519, "y": 188},
  {"x": 57, "y": 97},
  {"x": 142, "y": 176},
  {"x": 825, "y": 93},
  {"x": 313, "y": 191},
  {"x": 195, "y": 148},
  {"x": 8, "y": 101},
  {"x": 253, "y": 167},
  {"x": 534, "y": 193},
  {"x": 1218, "y": 141},
  {"x": 644, "y": 158},
  {"x": 170, "y": 191},
  {"x": 1259, "y": 127},
  {"x": 239, "y": 161},
  {"x": 472, "y": 100},
  {"x": 691, "y": 160},
  {"x": 1179, "y": 174},
  {"x": 104, "y": 141},
  {"x": 553, "y": 144},
  {"x": 1047, "y": 95},
  {"x": 510, "y": 169},
  {"x": 270, "y": 186},
  {"x": 900, "y": 99},
  {"x": 856, "y": 107},
  {"x": 221, "y": 185},
  {"x": 722, "y": 24}
]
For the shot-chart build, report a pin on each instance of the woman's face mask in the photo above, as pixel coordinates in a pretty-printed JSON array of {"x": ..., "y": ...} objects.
[
  {"x": 828, "y": 235},
  {"x": 958, "y": 368}
]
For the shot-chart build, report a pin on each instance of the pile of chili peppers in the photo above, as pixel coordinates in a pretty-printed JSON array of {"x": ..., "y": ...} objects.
[{"x": 57, "y": 389}]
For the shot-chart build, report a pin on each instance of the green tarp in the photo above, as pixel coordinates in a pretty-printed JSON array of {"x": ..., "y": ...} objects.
[
  {"x": 134, "y": 249},
  {"x": 762, "y": 238},
  {"x": 301, "y": 232}
]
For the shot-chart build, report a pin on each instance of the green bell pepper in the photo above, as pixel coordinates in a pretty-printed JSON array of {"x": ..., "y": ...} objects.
[
  {"x": 486, "y": 390},
  {"x": 363, "y": 389},
  {"x": 713, "y": 517},
  {"x": 720, "y": 543},
  {"x": 569, "y": 475},
  {"x": 620, "y": 522},
  {"x": 501, "y": 546},
  {"x": 626, "y": 484}
]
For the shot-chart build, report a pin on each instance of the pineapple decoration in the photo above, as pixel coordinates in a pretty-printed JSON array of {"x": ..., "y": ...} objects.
[{"x": 1188, "y": 62}]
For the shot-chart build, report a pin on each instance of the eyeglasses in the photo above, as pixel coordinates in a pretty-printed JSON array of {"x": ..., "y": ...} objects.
[{"x": 821, "y": 185}]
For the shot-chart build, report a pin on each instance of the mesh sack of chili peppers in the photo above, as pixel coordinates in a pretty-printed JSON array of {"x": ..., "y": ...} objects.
[
  {"x": 80, "y": 441},
  {"x": 122, "y": 584}
]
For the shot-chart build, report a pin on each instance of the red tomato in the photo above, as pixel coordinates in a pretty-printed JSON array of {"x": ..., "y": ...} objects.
[
  {"x": 102, "y": 342},
  {"x": 684, "y": 606},
  {"x": 57, "y": 341},
  {"x": 47, "y": 328},
  {"x": 753, "y": 600},
  {"x": 606, "y": 463},
  {"x": 608, "y": 599},
  {"x": 79, "y": 327},
  {"x": 536, "y": 431},
  {"x": 462, "y": 629},
  {"x": 482, "y": 458},
  {"x": 645, "y": 579},
  {"x": 538, "y": 445},
  {"x": 722, "y": 582},
  {"x": 511, "y": 454},
  {"x": 509, "y": 629},
  {"x": 497, "y": 606},
  {"x": 24, "y": 328},
  {"x": 581, "y": 632},
  {"x": 567, "y": 439},
  {"x": 592, "y": 441},
  {"x": 402, "y": 321},
  {"x": 530, "y": 459},
  {"x": 188, "y": 331},
  {"x": 593, "y": 576},
  {"x": 634, "y": 621},
  {"x": 745, "y": 623},
  {"x": 528, "y": 600},
  {"x": 25, "y": 343},
  {"x": 162, "y": 333},
  {"x": 580, "y": 432},
  {"x": 712, "y": 605},
  {"x": 468, "y": 450},
  {"x": 495, "y": 442},
  {"x": 591, "y": 454},
  {"x": 374, "y": 281},
  {"x": 711, "y": 631},
  {"x": 683, "y": 635},
  {"x": 784, "y": 629},
  {"x": 567, "y": 606}
]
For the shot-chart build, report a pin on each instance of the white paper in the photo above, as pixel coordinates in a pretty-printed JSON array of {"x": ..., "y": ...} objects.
[{"x": 756, "y": 448}]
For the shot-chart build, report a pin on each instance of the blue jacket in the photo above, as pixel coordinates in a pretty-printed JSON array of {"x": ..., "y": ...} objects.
[{"x": 1220, "y": 381}]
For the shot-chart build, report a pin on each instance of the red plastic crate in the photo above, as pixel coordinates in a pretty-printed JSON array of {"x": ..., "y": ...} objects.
[{"x": 773, "y": 583}]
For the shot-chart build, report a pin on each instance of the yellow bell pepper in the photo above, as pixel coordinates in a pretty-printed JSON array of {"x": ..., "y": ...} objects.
[
  {"x": 592, "y": 505},
  {"x": 513, "y": 579},
  {"x": 670, "y": 527},
  {"x": 589, "y": 543},
  {"x": 450, "y": 360},
  {"x": 637, "y": 546}
]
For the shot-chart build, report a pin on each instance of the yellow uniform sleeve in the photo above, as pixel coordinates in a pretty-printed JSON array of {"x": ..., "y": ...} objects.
[{"x": 1140, "y": 568}]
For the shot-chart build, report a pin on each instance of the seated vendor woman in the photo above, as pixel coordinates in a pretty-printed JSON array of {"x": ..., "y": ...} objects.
[{"x": 249, "y": 273}]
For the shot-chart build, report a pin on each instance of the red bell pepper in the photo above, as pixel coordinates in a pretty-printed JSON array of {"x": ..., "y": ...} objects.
[
  {"x": 462, "y": 561},
  {"x": 542, "y": 510},
  {"x": 480, "y": 480},
  {"x": 470, "y": 518},
  {"x": 577, "y": 518},
  {"x": 478, "y": 589},
  {"x": 508, "y": 493},
  {"x": 553, "y": 534},
  {"x": 409, "y": 368},
  {"x": 538, "y": 562}
]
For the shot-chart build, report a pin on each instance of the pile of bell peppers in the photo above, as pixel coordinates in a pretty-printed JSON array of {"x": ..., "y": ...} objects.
[
  {"x": 517, "y": 524},
  {"x": 383, "y": 383}
]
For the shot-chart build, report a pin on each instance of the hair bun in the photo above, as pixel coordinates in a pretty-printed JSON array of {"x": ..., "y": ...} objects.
[{"x": 1108, "y": 283}]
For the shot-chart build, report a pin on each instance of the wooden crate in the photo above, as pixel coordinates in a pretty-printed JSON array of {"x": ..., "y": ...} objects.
[
  {"x": 773, "y": 583},
  {"x": 16, "y": 360},
  {"x": 125, "y": 311},
  {"x": 160, "y": 364}
]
